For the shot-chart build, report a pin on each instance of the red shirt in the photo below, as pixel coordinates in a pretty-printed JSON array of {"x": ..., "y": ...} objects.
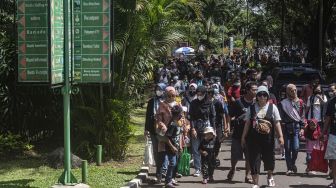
[{"x": 234, "y": 92}]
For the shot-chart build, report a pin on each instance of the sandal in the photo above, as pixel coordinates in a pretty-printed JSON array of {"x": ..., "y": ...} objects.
[
  {"x": 271, "y": 182},
  {"x": 248, "y": 180},
  {"x": 230, "y": 175}
]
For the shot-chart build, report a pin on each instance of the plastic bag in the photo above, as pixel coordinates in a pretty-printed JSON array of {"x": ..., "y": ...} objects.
[
  {"x": 317, "y": 162},
  {"x": 184, "y": 164},
  {"x": 149, "y": 156}
]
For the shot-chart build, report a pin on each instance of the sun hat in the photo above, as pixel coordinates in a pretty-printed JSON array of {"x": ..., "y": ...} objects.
[{"x": 262, "y": 89}]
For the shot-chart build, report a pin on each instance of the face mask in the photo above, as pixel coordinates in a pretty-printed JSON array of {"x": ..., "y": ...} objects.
[
  {"x": 331, "y": 94},
  {"x": 200, "y": 97},
  {"x": 216, "y": 91},
  {"x": 192, "y": 93},
  {"x": 159, "y": 93},
  {"x": 172, "y": 104}
]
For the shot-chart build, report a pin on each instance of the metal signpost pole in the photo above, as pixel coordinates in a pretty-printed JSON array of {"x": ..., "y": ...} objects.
[{"x": 67, "y": 177}]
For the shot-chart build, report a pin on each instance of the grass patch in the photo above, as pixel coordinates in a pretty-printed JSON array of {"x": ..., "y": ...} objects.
[{"x": 32, "y": 172}]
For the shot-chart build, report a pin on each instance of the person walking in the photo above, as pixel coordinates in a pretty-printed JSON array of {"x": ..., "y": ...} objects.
[
  {"x": 262, "y": 121},
  {"x": 202, "y": 115},
  {"x": 237, "y": 112},
  {"x": 292, "y": 113},
  {"x": 206, "y": 149},
  {"x": 152, "y": 109},
  {"x": 330, "y": 124}
]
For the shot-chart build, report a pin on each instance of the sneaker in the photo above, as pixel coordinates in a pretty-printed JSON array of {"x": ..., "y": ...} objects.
[
  {"x": 174, "y": 182},
  {"x": 255, "y": 186},
  {"x": 283, "y": 157},
  {"x": 289, "y": 172},
  {"x": 197, "y": 173},
  {"x": 205, "y": 181},
  {"x": 294, "y": 169},
  {"x": 178, "y": 175},
  {"x": 170, "y": 185},
  {"x": 271, "y": 182},
  {"x": 312, "y": 173}
]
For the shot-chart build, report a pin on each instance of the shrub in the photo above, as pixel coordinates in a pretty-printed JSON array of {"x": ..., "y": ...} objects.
[
  {"x": 12, "y": 145},
  {"x": 110, "y": 128}
]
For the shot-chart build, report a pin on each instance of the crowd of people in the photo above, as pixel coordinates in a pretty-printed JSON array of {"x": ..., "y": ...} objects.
[{"x": 199, "y": 103}]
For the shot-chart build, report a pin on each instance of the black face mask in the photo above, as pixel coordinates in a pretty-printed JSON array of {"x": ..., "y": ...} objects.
[{"x": 192, "y": 93}]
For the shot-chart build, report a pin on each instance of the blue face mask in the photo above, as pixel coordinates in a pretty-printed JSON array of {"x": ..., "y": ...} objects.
[{"x": 216, "y": 91}]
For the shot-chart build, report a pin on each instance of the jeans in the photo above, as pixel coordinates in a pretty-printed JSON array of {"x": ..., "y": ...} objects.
[
  {"x": 171, "y": 167},
  {"x": 195, "y": 143},
  {"x": 162, "y": 165},
  {"x": 291, "y": 136}
]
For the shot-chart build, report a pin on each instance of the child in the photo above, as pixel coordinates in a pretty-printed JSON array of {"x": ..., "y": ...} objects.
[
  {"x": 208, "y": 154},
  {"x": 173, "y": 145},
  {"x": 311, "y": 133}
]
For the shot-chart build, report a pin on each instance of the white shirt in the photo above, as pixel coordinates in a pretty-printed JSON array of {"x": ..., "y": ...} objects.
[
  {"x": 261, "y": 112},
  {"x": 316, "y": 107}
]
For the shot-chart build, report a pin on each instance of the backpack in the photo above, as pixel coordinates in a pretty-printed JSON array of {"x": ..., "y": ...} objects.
[{"x": 262, "y": 125}]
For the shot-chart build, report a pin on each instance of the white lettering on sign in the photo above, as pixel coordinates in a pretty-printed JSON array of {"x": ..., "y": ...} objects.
[
  {"x": 35, "y": 5},
  {"x": 36, "y": 45},
  {"x": 91, "y": 59},
  {"x": 91, "y": 4},
  {"x": 36, "y": 59},
  {"x": 91, "y": 73},
  {"x": 91, "y": 32},
  {"x": 36, "y": 72},
  {"x": 35, "y": 18},
  {"x": 91, "y": 18},
  {"x": 90, "y": 46}
]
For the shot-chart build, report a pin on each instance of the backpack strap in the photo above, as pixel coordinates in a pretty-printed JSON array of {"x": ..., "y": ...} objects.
[
  {"x": 269, "y": 112},
  {"x": 253, "y": 112},
  {"x": 312, "y": 106}
]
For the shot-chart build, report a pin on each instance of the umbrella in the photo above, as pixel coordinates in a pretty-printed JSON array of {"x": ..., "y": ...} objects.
[{"x": 184, "y": 50}]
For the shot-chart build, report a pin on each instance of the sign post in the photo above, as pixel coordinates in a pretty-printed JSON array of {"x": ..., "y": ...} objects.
[{"x": 67, "y": 178}]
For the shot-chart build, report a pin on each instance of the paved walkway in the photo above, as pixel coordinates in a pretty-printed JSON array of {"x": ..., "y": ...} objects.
[{"x": 299, "y": 180}]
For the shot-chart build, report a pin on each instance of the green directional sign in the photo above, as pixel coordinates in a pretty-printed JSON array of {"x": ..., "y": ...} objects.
[
  {"x": 57, "y": 41},
  {"x": 91, "y": 41},
  {"x": 33, "y": 40}
]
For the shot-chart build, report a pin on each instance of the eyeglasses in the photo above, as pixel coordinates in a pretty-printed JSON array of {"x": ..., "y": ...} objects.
[{"x": 262, "y": 94}]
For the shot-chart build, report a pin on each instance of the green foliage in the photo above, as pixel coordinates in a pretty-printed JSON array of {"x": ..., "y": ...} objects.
[
  {"x": 118, "y": 130},
  {"x": 12, "y": 144},
  {"x": 110, "y": 128}
]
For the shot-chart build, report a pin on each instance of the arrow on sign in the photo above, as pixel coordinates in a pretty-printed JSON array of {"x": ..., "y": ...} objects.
[
  {"x": 22, "y": 21},
  {"x": 23, "y": 62},
  {"x": 105, "y": 19},
  {"x": 23, "y": 34},
  {"x": 105, "y": 34},
  {"x": 105, "y": 47},
  {"x": 23, "y": 75},
  {"x": 22, "y": 7},
  {"x": 23, "y": 48},
  {"x": 105, "y": 5},
  {"x": 104, "y": 75},
  {"x": 105, "y": 61}
]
